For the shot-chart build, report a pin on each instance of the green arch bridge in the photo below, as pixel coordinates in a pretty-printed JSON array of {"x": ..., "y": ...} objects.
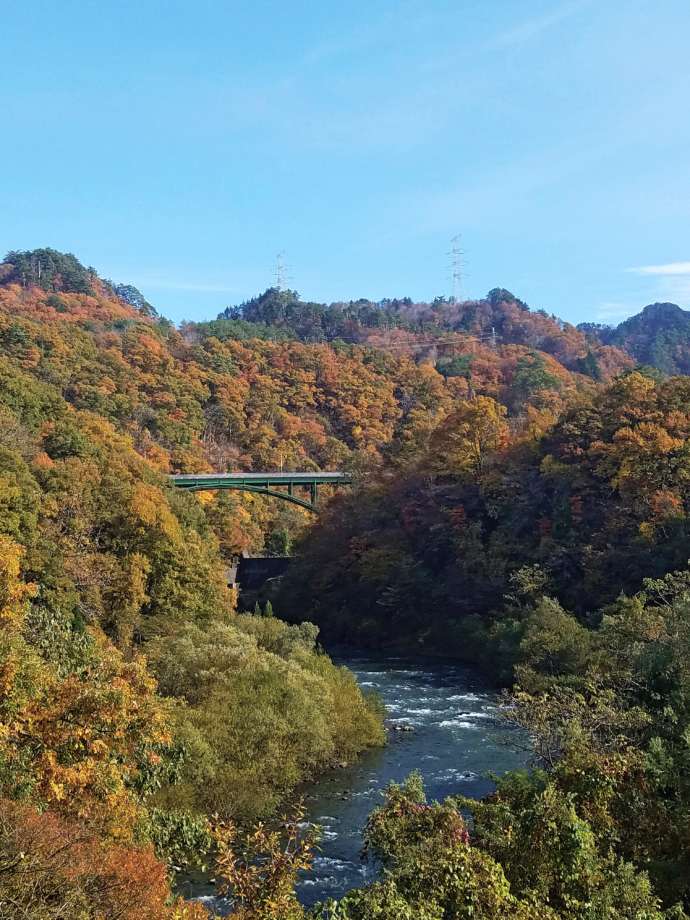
[{"x": 278, "y": 485}]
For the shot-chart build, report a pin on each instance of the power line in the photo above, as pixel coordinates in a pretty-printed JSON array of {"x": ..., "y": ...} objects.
[{"x": 489, "y": 338}]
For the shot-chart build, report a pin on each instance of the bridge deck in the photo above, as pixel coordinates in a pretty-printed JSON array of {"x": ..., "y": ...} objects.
[
  {"x": 262, "y": 479},
  {"x": 264, "y": 484}
]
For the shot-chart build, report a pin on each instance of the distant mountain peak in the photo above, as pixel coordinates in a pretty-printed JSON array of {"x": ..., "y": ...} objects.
[
  {"x": 658, "y": 336},
  {"x": 661, "y": 310},
  {"x": 61, "y": 272}
]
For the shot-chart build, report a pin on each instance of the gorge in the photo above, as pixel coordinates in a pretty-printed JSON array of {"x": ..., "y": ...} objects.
[{"x": 517, "y": 515}]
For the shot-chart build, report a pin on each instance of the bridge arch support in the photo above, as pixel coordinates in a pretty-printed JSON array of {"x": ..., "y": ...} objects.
[{"x": 277, "y": 485}]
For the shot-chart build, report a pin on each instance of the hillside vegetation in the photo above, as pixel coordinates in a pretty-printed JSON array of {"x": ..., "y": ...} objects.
[
  {"x": 499, "y": 318},
  {"x": 236, "y": 394},
  {"x": 659, "y": 337},
  {"x": 558, "y": 560},
  {"x": 522, "y": 499},
  {"x": 582, "y": 512},
  {"x": 134, "y": 702}
]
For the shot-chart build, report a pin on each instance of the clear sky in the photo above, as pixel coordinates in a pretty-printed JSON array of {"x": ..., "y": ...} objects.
[{"x": 179, "y": 146}]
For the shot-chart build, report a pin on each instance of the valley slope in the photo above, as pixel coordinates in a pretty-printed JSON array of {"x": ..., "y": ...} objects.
[{"x": 513, "y": 475}]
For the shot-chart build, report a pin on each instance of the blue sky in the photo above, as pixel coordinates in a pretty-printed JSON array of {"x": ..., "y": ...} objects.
[{"x": 179, "y": 146}]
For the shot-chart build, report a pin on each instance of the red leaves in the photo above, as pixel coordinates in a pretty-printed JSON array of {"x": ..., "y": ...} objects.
[{"x": 55, "y": 867}]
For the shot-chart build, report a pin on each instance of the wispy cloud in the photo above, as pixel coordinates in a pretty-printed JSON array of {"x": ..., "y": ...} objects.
[
  {"x": 156, "y": 283},
  {"x": 531, "y": 28},
  {"x": 668, "y": 269},
  {"x": 669, "y": 281},
  {"x": 676, "y": 288},
  {"x": 614, "y": 310},
  {"x": 191, "y": 286}
]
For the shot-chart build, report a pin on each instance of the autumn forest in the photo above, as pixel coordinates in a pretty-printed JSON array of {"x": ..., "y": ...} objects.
[{"x": 521, "y": 503}]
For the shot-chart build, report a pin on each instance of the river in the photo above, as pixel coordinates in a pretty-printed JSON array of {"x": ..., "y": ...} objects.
[{"x": 455, "y": 741}]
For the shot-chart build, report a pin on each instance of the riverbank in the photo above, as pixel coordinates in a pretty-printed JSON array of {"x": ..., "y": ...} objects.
[{"x": 454, "y": 739}]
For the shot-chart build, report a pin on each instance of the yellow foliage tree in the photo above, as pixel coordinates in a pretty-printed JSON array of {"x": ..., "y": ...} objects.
[{"x": 461, "y": 444}]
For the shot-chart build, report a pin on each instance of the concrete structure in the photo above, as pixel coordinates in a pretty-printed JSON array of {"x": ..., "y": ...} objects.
[{"x": 254, "y": 571}]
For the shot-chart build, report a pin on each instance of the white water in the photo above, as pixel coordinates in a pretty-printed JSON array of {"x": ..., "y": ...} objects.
[{"x": 456, "y": 742}]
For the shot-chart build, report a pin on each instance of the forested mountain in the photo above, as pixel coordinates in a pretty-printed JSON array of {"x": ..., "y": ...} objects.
[
  {"x": 586, "y": 509},
  {"x": 243, "y": 394},
  {"x": 498, "y": 319},
  {"x": 659, "y": 337},
  {"x": 134, "y": 702},
  {"x": 521, "y": 499}
]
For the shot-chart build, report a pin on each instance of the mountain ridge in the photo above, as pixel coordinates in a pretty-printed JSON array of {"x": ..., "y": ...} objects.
[
  {"x": 657, "y": 336},
  {"x": 426, "y": 331}
]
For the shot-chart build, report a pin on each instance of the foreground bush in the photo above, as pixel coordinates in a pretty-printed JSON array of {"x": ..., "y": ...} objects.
[
  {"x": 53, "y": 868},
  {"x": 259, "y": 709}
]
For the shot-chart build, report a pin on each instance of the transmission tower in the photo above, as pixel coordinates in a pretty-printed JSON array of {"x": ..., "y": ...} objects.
[
  {"x": 457, "y": 265},
  {"x": 281, "y": 271}
]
